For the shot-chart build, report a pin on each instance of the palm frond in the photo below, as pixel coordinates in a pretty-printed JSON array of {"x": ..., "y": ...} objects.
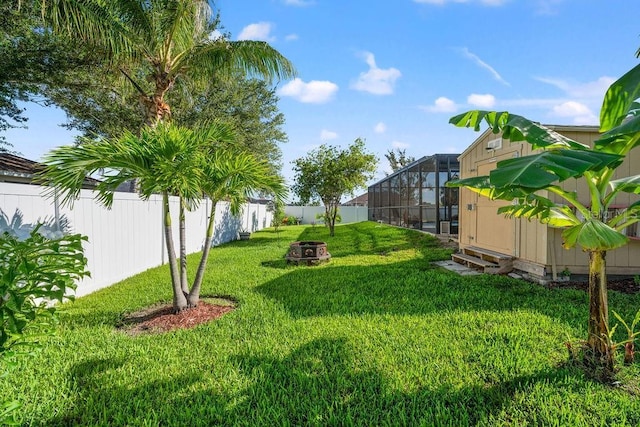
[{"x": 516, "y": 128}]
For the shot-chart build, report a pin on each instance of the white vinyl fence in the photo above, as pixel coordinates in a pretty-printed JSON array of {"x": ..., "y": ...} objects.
[
  {"x": 308, "y": 214},
  {"x": 128, "y": 238}
]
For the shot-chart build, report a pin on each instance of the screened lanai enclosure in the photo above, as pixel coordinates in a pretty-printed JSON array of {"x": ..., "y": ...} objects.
[{"x": 416, "y": 197}]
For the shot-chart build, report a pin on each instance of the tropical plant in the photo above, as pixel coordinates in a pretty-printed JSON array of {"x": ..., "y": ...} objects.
[
  {"x": 328, "y": 173},
  {"x": 168, "y": 43},
  {"x": 276, "y": 208},
  {"x": 532, "y": 181},
  {"x": 35, "y": 271},
  {"x": 167, "y": 160}
]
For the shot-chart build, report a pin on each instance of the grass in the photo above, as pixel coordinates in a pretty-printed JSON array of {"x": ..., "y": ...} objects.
[{"x": 378, "y": 336}]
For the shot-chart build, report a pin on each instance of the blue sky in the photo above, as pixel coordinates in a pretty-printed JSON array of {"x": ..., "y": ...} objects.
[{"x": 394, "y": 73}]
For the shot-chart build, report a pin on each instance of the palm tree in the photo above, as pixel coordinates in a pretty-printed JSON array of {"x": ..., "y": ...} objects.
[
  {"x": 158, "y": 44},
  {"x": 167, "y": 160},
  {"x": 531, "y": 182}
]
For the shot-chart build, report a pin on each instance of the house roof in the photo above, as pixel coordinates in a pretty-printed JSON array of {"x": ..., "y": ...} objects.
[
  {"x": 557, "y": 128},
  {"x": 18, "y": 169},
  {"x": 361, "y": 200},
  {"x": 415, "y": 162},
  {"x": 18, "y": 166}
]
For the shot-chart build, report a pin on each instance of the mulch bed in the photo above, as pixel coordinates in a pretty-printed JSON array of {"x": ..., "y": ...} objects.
[{"x": 160, "y": 318}]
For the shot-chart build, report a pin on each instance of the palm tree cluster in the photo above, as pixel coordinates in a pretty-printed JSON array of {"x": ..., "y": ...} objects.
[
  {"x": 156, "y": 46},
  {"x": 168, "y": 160}
]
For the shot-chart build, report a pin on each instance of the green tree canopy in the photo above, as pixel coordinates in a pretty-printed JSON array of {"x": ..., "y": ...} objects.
[
  {"x": 159, "y": 45},
  {"x": 328, "y": 173},
  {"x": 398, "y": 159}
]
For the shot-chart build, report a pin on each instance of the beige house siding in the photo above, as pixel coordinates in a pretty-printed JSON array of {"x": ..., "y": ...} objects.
[{"x": 530, "y": 242}]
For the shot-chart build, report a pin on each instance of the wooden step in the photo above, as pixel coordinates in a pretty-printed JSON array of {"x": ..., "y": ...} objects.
[
  {"x": 487, "y": 254},
  {"x": 475, "y": 262}
]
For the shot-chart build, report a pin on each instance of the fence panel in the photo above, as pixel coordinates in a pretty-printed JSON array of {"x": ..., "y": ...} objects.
[
  {"x": 308, "y": 214},
  {"x": 128, "y": 238}
]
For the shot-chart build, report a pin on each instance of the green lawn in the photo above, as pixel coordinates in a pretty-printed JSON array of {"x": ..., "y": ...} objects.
[{"x": 378, "y": 336}]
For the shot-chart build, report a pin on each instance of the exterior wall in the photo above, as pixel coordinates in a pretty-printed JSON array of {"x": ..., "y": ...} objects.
[
  {"x": 530, "y": 242},
  {"x": 128, "y": 238}
]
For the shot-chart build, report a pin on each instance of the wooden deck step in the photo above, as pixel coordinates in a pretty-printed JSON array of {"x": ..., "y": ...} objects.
[
  {"x": 487, "y": 254},
  {"x": 475, "y": 262}
]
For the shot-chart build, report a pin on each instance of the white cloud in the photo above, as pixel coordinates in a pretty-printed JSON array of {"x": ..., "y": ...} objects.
[
  {"x": 482, "y": 101},
  {"x": 258, "y": 31},
  {"x": 313, "y": 92},
  {"x": 400, "y": 145},
  {"x": 377, "y": 81},
  {"x": 380, "y": 128},
  {"x": 595, "y": 89},
  {"x": 327, "y": 135},
  {"x": 580, "y": 113},
  {"x": 441, "y": 105},
  {"x": 298, "y": 2},
  {"x": 291, "y": 37},
  {"x": 484, "y": 2},
  {"x": 215, "y": 35},
  {"x": 479, "y": 62},
  {"x": 547, "y": 7}
]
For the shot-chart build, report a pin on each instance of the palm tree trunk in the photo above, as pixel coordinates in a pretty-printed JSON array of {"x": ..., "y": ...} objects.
[
  {"x": 179, "y": 300},
  {"x": 194, "y": 295},
  {"x": 598, "y": 330},
  {"x": 184, "y": 283}
]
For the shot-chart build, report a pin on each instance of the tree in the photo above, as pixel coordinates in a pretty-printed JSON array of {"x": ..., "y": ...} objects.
[
  {"x": 328, "y": 173},
  {"x": 398, "y": 159},
  {"x": 531, "y": 183},
  {"x": 167, "y": 43},
  {"x": 167, "y": 160},
  {"x": 98, "y": 104},
  {"x": 31, "y": 59}
]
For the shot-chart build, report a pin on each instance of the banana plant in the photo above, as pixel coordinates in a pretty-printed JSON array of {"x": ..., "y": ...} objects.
[{"x": 531, "y": 182}]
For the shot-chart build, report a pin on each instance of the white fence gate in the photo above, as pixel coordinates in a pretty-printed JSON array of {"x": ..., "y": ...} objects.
[{"x": 128, "y": 238}]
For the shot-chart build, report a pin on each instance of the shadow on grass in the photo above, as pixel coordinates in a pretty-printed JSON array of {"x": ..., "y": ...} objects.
[
  {"x": 365, "y": 239},
  {"x": 316, "y": 384},
  {"x": 412, "y": 287}
]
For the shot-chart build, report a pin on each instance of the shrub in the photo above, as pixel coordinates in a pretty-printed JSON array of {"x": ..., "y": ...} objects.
[{"x": 35, "y": 273}]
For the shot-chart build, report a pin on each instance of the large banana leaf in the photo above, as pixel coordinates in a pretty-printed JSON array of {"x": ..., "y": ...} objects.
[
  {"x": 538, "y": 171},
  {"x": 593, "y": 235},
  {"x": 516, "y": 128},
  {"x": 630, "y": 184},
  {"x": 541, "y": 208},
  {"x": 483, "y": 186},
  {"x": 619, "y": 99},
  {"x": 621, "y": 139}
]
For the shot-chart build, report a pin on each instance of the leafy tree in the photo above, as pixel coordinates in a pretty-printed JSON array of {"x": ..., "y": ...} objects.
[
  {"x": 398, "y": 159},
  {"x": 31, "y": 60},
  {"x": 533, "y": 185},
  {"x": 248, "y": 106},
  {"x": 167, "y": 160},
  {"x": 167, "y": 43},
  {"x": 328, "y": 173},
  {"x": 276, "y": 208}
]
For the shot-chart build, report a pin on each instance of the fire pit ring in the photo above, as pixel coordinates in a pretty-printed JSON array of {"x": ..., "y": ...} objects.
[{"x": 308, "y": 251}]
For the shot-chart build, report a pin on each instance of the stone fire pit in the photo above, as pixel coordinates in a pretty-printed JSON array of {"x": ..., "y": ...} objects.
[{"x": 309, "y": 252}]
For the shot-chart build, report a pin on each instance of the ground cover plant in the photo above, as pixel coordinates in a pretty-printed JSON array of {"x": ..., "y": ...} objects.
[{"x": 377, "y": 336}]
